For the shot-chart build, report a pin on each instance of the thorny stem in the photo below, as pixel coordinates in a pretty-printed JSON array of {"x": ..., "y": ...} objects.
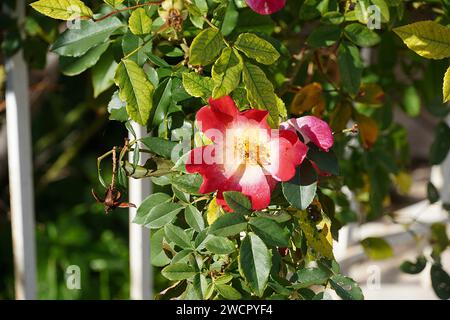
[
  {"x": 126, "y": 9},
  {"x": 99, "y": 168},
  {"x": 114, "y": 167},
  {"x": 200, "y": 199}
]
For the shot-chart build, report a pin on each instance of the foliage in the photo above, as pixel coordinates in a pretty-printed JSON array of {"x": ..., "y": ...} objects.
[{"x": 169, "y": 57}]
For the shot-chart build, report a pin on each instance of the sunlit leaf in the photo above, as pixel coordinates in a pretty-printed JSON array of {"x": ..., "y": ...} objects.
[{"x": 428, "y": 39}]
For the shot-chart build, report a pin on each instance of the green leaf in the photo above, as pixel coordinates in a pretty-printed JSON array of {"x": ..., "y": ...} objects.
[
  {"x": 196, "y": 85},
  {"x": 162, "y": 99},
  {"x": 160, "y": 146},
  {"x": 71, "y": 66},
  {"x": 278, "y": 216},
  {"x": 139, "y": 22},
  {"x": 346, "y": 288},
  {"x": 320, "y": 241},
  {"x": 384, "y": 9},
  {"x": 200, "y": 285},
  {"x": 255, "y": 262},
  {"x": 189, "y": 183},
  {"x": 148, "y": 204},
  {"x": 183, "y": 196},
  {"x": 428, "y": 39},
  {"x": 257, "y": 48},
  {"x": 195, "y": 15},
  {"x": 377, "y": 248},
  {"x": 157, "y": 255},
  {"x": 324, "y": 36},
  {"x": 220, "y": 245},
  {"x": 326, "y": 161},
  {"x": 228, "y": 292},
  {"x": 136, "y": 49},
  {"x": 230, "y": 19},
  {"x": 182, "y": 256},
  {"x": 117, "y": 108},
  {"x": 361, "y": 35},
  {"x": 311, "y": 276},
  {"x": 441, "y": 145},
  {"x": 260, "y": 91},
  {"x": 224, "y": 279},
  {"x": 135, "y": 89},
  {"x": 194, "y": 218},
  {"x": 226, "y": 73},
  {"x": 228, "y": 225},
  {"x": 238, "y": 202},
  {"x": 103, "y": 73},
  {"x": 440, "y": 280},
  {"x": 432, "y": 193},
  {"x": 350, "y": 68},
  {"x": 76, "y": 42},
  {"x": 205, "y": 47},
  {"x": 113, "y": 3},
  {"x": 301, "y": 189},
  {"x": 414, "y": 267},
  {"x": 311, "y": 9},
  {"x": 333, "y": 17},
  {"x": 250, "y": 21},
  {"x": 162, "y": 214},
  {"x": 269, "y": 231},
  {"x": 63, "y": 9},
  {"x": 446, "y": 86},
  {"x": 178, "y": 236},
  {"x": 178, "y": 271},
  {"x": 411, "y": 101},
  {"x": 439, "y": 238}
]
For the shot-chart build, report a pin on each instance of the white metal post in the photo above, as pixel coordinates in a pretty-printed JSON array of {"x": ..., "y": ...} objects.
[
  {"x": 20, "y": 172},
  {"x": 141, "y": 282},
  {"x": 440, "y": 175}
]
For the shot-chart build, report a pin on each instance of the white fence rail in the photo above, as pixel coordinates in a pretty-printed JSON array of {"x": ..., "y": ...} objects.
[
  {"x": 140, "y": 268},
  {"x": 20, "y": 171}
]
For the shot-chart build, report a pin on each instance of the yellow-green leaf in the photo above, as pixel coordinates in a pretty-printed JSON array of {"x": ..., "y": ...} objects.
[
  {"x": 62, "y": 9},
  {"x": 206, "y": 47},
  {"x": 257, "y": 48},
  {"x": 139, "y": 22},
  {"x": 113, "y": 3},
  {"x": 135, "y": 89},
  {"x": 226, "y": 73},
  {"x": 377, "y": 248},
  {"x": 196, "y": 85},
  {"x": 446, "y": 86},
  {"x": 320, "y": 241},
  {"x": 213, "y": 211},
  {"x": 260, "y": 92},
  {"x": 428, "y": 39}
]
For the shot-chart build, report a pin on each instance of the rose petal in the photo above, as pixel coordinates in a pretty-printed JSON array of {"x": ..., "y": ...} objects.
[
  {"x": 214, "y": 119},
  {"x": 259, "y": 116},
  {"x": 312, "y": 129},
  {"x": 298, "y": 151},
  {"x": 266, "y": 6},
  {"x": 201, "y": 160},
  {"x": 254, "y": 184}
]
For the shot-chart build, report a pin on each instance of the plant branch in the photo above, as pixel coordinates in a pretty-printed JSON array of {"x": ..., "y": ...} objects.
[{"x": 112, "y": 13}]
